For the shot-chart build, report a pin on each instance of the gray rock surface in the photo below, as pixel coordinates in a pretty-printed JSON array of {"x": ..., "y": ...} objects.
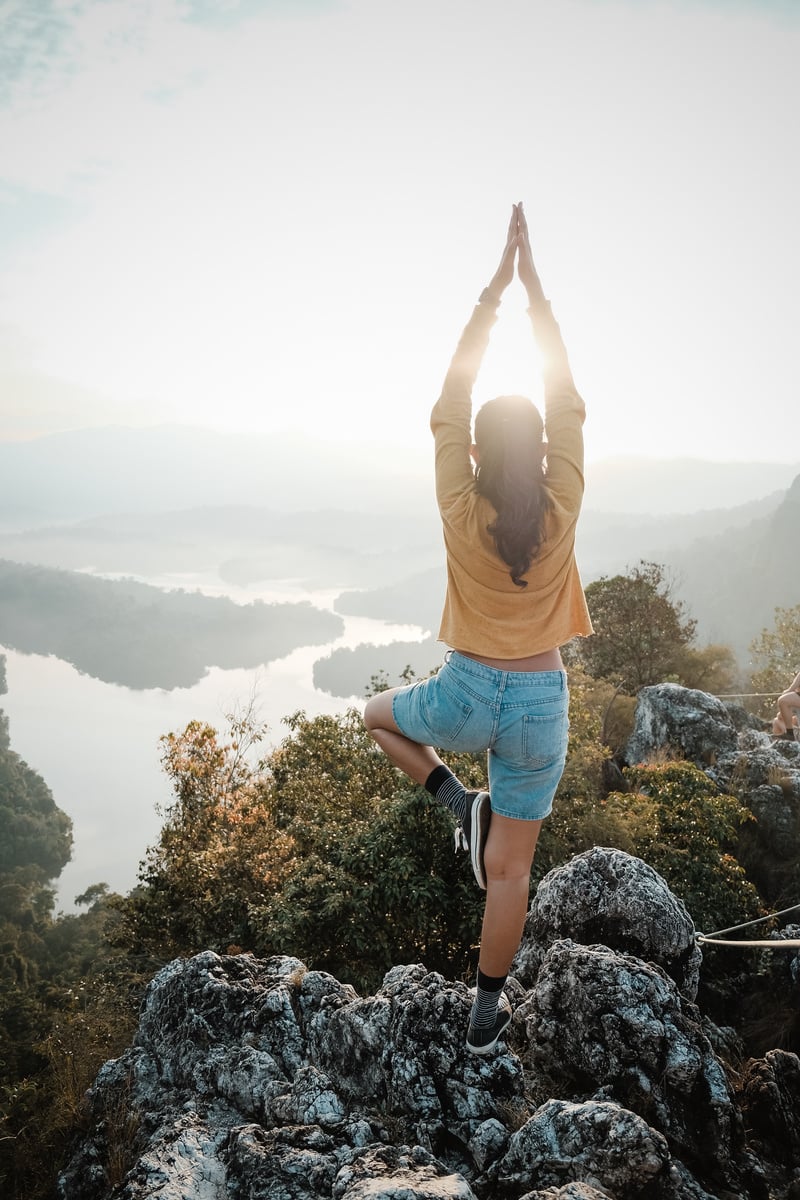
[
  {"x": 696, "y": 726},
  {"x": 610, "y": 1025},
  {"x": 258, "y": 1080},
  {"x": 609, "y": 896},
  {"x": 595, "y": 1142},
  {"x": 739, "y": 755},
  {"x": 770, "y": 1094}
]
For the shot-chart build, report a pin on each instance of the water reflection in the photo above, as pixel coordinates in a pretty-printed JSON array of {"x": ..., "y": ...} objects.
[{"x": 97, "y": 744}]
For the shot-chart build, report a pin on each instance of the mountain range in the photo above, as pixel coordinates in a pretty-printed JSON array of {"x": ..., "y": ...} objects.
[
  {"x": 93, "y": 472},
  {"x": 170, "y": 503}
]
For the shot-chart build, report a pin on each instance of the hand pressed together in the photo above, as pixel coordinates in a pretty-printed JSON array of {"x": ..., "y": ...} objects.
[{"x": 517, "y": 248}]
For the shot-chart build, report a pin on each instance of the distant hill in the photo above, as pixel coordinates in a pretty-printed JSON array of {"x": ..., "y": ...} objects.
[
  {"x": 121, "y": 631},
  {"x": 733, "y": 581},
  {"x": 732, "y": 568},
  {"x": 95, "y": 472},
  {"x": 240, "y": 510},
  {"x": 238, "y": 545},
  {"x": 681, "y": 485}
]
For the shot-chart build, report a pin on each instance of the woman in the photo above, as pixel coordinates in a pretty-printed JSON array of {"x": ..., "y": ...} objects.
[
  {"x": 784, "y": 724},
  {"x": 513, "y": 597}
]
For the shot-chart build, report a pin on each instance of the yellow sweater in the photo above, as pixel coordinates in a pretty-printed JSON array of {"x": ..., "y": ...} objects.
[{"x": 485, "y": 613}]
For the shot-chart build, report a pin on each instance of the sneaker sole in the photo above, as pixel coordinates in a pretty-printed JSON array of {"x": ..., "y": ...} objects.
[
  {"x": 490, "y": 1046},
  {"x": 480, "y": 818}
]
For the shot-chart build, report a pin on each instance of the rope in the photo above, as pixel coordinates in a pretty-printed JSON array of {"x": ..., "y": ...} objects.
[
  {"x": 743, "y": 695},
  {"x": 777, "y": 944},
  {"x": 716, "y": 939}
]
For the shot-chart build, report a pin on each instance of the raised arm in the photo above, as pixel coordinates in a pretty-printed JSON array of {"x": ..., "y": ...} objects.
[
  {"x": 451, "y": 419},
  {"x": 545, "y": 327},
  {"x": 564, "y": 408},
  {"x": 471, "y": 348}
]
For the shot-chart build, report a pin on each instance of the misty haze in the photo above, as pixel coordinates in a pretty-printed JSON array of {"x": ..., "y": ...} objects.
[{"x": 266, "y": 590}]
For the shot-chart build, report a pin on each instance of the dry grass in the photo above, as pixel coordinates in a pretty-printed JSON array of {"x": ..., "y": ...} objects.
[{"x": 122, "y": 1123}]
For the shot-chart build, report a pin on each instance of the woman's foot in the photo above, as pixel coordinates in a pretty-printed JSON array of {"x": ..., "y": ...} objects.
[
  {"x": 483, "y": 1039},
  {"x": 471, "y": 834}
]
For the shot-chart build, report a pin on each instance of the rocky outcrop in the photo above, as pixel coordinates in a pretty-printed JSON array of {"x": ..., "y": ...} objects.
[
  {"x": 688, "y": 723},
  {"x": 262, "y": 1080},
  {"x": 606, "y": 895},
  {"x": 734, "y": 749}
]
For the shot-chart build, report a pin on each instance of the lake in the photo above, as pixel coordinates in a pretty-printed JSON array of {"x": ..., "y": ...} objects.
[{"x": 96, "y": 745}]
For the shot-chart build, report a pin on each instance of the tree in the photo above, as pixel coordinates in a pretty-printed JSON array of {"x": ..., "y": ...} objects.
[
  {"x": 641, "y": 632},
  {"x": 219, "y": 849},
  {"x": 65, "y": 1003},
  {"x": 710, "y": 668},
  {"x": 776, "y": 657},
  {"x": 35, "y": 831},
  {"x": 688, "y": 831},
  {"x": 323, "y": 850}
]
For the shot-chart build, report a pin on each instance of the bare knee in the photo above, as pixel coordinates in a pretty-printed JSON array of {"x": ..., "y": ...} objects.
[
  {"x": 506, "y": 868},
  {"x": 510, "y": 848},
  {"x": 509, "y": 873},
  {"x": 378, "y": 711}
]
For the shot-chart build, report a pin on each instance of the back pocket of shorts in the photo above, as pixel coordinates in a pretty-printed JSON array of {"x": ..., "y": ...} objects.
[
  {"x": 446, "y": 715},
  {"x": 544, "y": 738}
]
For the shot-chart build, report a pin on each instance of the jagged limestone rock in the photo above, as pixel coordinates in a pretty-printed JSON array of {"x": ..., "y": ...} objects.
[
  {"x": 605, "y": 895},
  {"x": 398, "y": 1173},
  {"x": 669, "y": 717},
  {"x": 265, "y": 1075},
  {"x": 778, "y": 815},
  {"x": 607, "y": 1022},
  {"x": 598, "y": 1143},
  {"x": 286, "y": 1163},
  {"x": 570, "y": 1191},
  {"x": 262, "y": 1080},
  {"x": 770, "y": 1100}
]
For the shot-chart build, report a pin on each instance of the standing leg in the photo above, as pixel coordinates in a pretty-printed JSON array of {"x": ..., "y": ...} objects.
[
  {"x": 788, "y": 704},
  {"x": 507, "y": 860}
]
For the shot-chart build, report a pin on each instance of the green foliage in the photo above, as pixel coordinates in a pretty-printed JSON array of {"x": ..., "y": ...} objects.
[
  {"x": 54, "y": 996},
  {"x": 776, "y": 657},
  {"x": 312, "y": 852},
  {"x": 641, "y": 632},
  {"x": 390, "y": 890},
  {"x": 687, "y": 830},
  {"x": 219, "y": 851},
  {"x": 709, "y": 668},
  {"x": 71, "y": 1005},
  {"x": 35, "y": 831}
]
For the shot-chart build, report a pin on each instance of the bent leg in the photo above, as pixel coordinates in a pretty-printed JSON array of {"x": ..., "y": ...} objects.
[
  {"x": 414, "y": 758},
  {"x": 508, "y": 857},
  {"x": 788, "y": 704}
]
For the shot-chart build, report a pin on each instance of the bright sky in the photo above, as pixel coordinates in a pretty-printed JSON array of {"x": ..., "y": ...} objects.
[{"x": 277, "y": 214}]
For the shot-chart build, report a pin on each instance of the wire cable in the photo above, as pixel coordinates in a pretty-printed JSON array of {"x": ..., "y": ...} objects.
[{"x": 717, "y": 939}]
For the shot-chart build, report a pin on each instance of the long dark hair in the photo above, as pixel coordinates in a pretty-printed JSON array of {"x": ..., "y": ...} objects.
[{"x": 509, "y": 434}]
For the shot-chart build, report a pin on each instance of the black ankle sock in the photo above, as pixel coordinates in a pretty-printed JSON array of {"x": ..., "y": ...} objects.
[
  {"x": 443, "y": 784},
  {"x": 487, "y": 995}
]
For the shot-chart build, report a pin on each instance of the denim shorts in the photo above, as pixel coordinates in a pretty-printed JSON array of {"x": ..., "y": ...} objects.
[{"x": 520, "y": 717}]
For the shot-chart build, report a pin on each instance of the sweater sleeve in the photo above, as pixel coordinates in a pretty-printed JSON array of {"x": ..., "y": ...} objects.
[
  {"x": 451, "y": 418},
  {"x": 564, "y": 411}
]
